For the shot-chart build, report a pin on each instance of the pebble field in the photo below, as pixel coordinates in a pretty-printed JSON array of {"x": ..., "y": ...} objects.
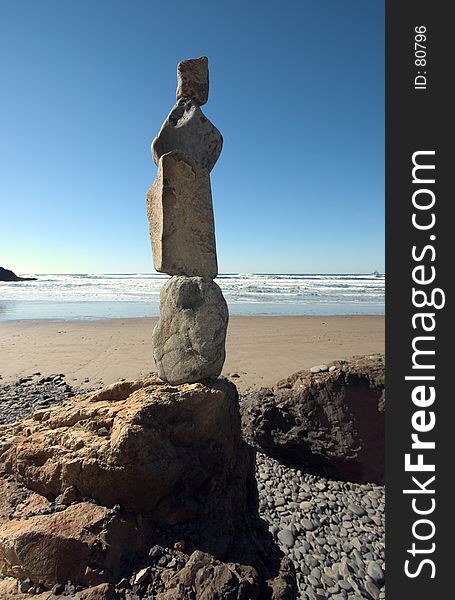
[{"x": 333, "y": 531}]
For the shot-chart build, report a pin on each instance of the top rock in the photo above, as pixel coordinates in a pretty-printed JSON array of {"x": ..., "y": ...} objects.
[{"x": 193, "y": 79}]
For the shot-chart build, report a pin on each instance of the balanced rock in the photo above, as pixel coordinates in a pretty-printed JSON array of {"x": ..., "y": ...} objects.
[
  {"x": 193, "y": 79},
  {"x": 180, "y": 212},
  {"x": 189, "y": 338},
  {"x": 332, "y": 420},
  {"x": 187, "y": 129},
  {"x": 166, "y": 450}
]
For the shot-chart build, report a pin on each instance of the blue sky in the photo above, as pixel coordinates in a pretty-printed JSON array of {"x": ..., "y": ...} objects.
[{"x": 297, "y": 90}]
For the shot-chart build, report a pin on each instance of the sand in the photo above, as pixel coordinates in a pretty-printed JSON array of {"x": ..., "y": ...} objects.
[{"x": 261, "y": 350}]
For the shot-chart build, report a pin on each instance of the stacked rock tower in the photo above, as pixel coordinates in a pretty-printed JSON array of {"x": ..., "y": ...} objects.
[{"x": 189, "y": 338}]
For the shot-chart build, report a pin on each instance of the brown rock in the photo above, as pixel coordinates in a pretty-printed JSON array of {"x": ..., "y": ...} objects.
[
  {"x": 179, "y": 445},
  {"x": 193, "y": 79},
  {"x": 331, "y": 420},
  {"x": 283, "y": 586},
  {"x": 9, "y": 590},
  {"x": 180, "y": 212},
  {"x": 84, "y": 543},
  {"x": 212, "y": 580}
]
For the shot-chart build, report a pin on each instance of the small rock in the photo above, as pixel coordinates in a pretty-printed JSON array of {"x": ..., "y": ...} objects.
[
  {"x": 372, "y": 589},
  {"x": 25, "y": 586},
  {"x": 345, "y": 585},
  {"x": 307, "y": 524},
  {"x": 375, "y": 572},
  {"x": 156, "y": 552},
  {"x": 123, "y": 584},
  {"x": 286, "y": 537},
  {"x": 193, "y": 79},
  {"x": 58, "y": 588},
  {"x": 356, "y": 509},
  {"x": 142, "y": 576}
]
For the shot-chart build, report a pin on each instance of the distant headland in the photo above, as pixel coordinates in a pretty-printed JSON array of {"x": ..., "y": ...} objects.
[{"x": 7, "y": 275}]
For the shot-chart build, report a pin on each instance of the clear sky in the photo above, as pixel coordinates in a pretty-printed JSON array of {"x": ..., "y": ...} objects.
[{"x": 297, "y": 90}]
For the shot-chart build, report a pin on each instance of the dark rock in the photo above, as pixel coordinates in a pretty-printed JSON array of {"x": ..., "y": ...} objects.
[
  {"x": 7, "y": 275},
  {"x": 332, "y": 421}
]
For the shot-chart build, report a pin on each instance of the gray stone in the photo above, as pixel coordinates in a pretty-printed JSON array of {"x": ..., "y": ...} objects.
[
  {"x": 188, "y": 340},
  {"x": 356, "y": 509},
  {"x": 180, "y": 212},
  {"x": 372, "y": 589},
  {"x": 375, "y": 572},
  {"x": 193, "y": 79},
  {"x": 307, "y": 524},
  {"x": 286, "y": 537},
  {"x": 345, "y": 585},
  {"x": 187, "y": 129}
]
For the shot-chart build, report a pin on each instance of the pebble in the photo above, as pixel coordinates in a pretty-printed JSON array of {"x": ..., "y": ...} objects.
[
  {"x": 28, "y": 394},
  {"x": 375, "y": 572},
  {"x": 307, "y": 524},
  {"x": 286, "y": 537},
  {"x": 372, "y": 589},
  {"x": 356, "y": 509}
]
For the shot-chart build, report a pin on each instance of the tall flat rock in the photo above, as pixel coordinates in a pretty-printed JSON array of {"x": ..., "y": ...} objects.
[
  {"x": 180, "y": 212},
  {"x": 189, "y": 338},
  {"x": 188, "y": 129},
  {"x": 193, "y": 79}
]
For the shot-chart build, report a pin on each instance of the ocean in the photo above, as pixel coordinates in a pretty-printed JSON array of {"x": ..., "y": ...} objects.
[{"x": 121, "y": 295}]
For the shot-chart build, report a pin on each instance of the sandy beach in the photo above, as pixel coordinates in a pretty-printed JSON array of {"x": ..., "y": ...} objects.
[{"x": 260, "y": 350}]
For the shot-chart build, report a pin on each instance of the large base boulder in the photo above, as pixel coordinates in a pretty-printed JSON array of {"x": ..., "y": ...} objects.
[
  {"x": 166, "y": 452},
  {"x": 330, "y": 419}
]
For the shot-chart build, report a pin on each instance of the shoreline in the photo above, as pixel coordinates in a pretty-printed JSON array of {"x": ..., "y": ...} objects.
[{"x": 260, "y": 349}]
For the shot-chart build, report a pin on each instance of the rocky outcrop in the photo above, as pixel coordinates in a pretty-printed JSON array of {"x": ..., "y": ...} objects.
[
  {"x": 189, "y": 338},
  {"x": 178, "y": 445},
  {"x": 330, "y": 419},
  {"x": 50, "y": 542},
  {"x": 7, "y": 275},
  {"x": 121, "y": 490}
]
